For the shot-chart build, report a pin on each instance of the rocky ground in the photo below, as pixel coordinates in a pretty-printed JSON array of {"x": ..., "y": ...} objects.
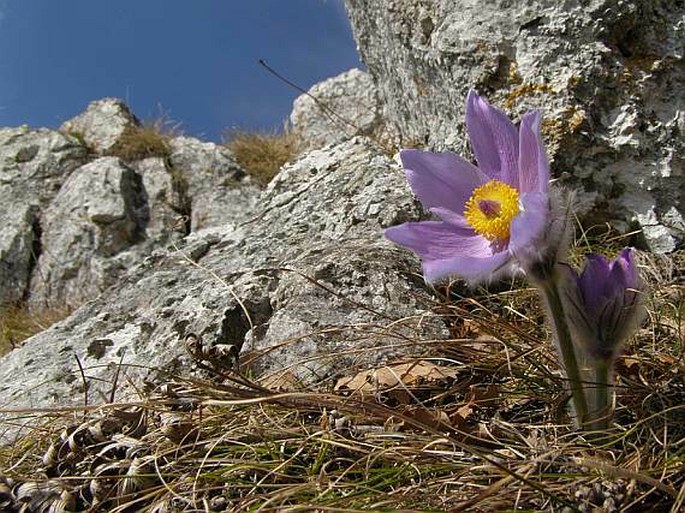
[{"x": 153, "y": 250}]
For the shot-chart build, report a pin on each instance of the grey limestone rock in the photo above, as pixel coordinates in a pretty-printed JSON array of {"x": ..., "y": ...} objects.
[
  {"x": 33, "y": 166},
  {"x": 35, "y": 163},
  {"x": 100, "y": 211},
  {"x": 109, "y": 214},
  {"x": 74, "y": 222},
  {"x": 336, "y": 109},
  {"x": 608, "y": 75},
  {"x": 306, "y": 286},
  {"x": 218, "y": 189},
  {"x": 17, "y": 245},
  {"x": 166, "y": 198},
  {"x": 102, "y": 124},
  {"x": 322, "y": 219}
]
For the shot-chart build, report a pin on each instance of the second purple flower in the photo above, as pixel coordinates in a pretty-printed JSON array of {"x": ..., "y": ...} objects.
[{"x": 604, "y": 303}]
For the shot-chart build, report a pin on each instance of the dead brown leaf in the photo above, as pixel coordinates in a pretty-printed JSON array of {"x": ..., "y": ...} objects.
[{"x": 410, "y": 375}]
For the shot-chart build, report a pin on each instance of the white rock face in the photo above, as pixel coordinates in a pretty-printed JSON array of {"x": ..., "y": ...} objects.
[
  {"x": 102, "y": 124},
  {"x": 33, "y": 166},
  {"x": 320, "y": 219},
  {"x": 335, "y": 110},
  {"x": 100, "y": 211},
  {"x": 17, "y": 240},
  {"x": 75, "y": 222},
  {"x": 103, "y": 237},
  {"x": 608, "y": 76},
  {"x": 164, "y": 199}
]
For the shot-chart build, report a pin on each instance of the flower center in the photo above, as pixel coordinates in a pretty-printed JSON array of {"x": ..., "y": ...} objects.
[{"x": 491, "y": 208}]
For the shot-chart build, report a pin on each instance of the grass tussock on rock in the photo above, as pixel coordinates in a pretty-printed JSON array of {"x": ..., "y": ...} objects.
[
  {"x": 478, "y": 423},
  {"x": 151, "y": 139},
  {"x": 261, "y": 154}
]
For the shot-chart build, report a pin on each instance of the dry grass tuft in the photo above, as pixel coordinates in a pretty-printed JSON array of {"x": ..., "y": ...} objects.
[
  {"x": 477, "y": 423},
  {"x": 149, "y": 140},
  {"x": 17, "y": 324},
  {"x": 262, "y": 154}
]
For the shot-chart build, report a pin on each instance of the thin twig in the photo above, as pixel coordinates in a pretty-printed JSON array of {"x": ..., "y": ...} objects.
[{"x": 85, "y": 386}]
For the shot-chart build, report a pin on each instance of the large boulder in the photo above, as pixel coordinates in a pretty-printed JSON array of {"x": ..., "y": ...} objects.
[
  {"x": 608, "y": 75},
  {"x": 35, "y": 163},
  {"x": 33, "y": 166},
  {"x": 336, "y": 109},
  {"x": 100, "y": 211},
  {"x": 305, "y": 286}
]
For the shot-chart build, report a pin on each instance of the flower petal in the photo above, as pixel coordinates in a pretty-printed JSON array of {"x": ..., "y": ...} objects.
[
  {"x": 449, "y": 251},
  {"x": 593, "y": 282},
  {"x": 494, "y": 140},
  {"x": 441, "y": 179},
  {"x": 527, "y": 228},
  {"x": 533, "y": 165},
  {"x": 574, "y": 305},
  {"x": 451, "y": 217},
  {"x": 435, "y": 240},
  {"x": 624, "y": 270},
  {"x": 472, "y": 269}
]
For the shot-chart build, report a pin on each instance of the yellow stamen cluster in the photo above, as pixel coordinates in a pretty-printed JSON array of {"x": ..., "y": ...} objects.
[{"x": 491, "y": 208}]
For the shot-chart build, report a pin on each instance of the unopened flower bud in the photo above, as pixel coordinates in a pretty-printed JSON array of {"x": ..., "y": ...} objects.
[{"x": 604, "y": 303}]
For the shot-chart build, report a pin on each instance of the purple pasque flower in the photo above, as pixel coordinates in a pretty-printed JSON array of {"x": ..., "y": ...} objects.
[
  {"x": 492, "y": 217},
  {"x": 604, "y": 303}
]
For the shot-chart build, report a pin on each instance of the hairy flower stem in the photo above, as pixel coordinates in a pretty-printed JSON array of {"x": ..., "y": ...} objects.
[
  {"x": 600, "y": 396},
  {"x": 555, "y": 308}
]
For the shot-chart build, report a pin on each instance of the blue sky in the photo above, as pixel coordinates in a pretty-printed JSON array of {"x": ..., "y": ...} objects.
[{"x": 196, "y": 61}]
